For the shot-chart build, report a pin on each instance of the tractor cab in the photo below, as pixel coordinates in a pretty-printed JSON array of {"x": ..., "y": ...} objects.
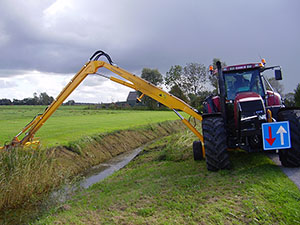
[
  {"x": 248, "y": 78},
  {"x": 243, "y": 81},
  {"x": 243, "y": 78}
]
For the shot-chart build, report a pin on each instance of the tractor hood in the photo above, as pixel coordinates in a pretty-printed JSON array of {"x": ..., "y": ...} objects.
[
  {"x": 247, "y": 96},
  {"x": 248, "y": 106}
]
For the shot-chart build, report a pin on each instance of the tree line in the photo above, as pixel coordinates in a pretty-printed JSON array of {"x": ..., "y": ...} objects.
[
  {"x": 292, "y": 99},
  {"x": 41, "y": 99}
]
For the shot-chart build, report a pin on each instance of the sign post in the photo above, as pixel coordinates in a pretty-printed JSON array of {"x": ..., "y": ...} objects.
[{"x": 276, "y": 135}]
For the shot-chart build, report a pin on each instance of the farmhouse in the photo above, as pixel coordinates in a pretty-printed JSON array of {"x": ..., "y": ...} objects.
[{"x": 131, "y": 99}]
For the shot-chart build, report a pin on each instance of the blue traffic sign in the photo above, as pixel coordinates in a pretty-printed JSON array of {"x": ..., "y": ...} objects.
[{"x": 276, "y": 135}]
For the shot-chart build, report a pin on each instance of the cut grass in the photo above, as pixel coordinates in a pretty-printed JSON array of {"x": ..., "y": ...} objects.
[
  {"x": 69, "y": 123},
  {"x": 165, "y": 186}
]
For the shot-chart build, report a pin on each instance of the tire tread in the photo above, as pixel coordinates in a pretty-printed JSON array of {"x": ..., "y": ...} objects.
[
  {"x": 215, "y": 142},
  {"x": 291, "y": 157}
]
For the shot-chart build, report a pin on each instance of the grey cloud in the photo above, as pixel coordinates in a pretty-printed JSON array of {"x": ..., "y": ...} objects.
[
  {"x": 7, "y": 84},
  {"x": 11, "y": 72},
  {"x": 93, "y": 81},
  {"x": 155, "y": 34}
]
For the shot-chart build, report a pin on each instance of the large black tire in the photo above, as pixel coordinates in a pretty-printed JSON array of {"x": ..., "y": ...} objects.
[
  {"x": 197, "y": 150},
  {"x": 291, "y": 157},
  {"x": 215, "y": 142}
]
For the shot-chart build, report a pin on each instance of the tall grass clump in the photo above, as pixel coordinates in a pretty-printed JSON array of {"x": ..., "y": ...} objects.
[
  {"x": 177, "y": 147},
  {"x": 25, "y": 174}
]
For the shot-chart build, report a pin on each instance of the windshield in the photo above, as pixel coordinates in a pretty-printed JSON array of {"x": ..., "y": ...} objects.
[{"x": 243, "y": 81}]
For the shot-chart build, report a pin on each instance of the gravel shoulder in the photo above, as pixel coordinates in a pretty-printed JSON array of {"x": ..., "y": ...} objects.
[{"x": 292, "y": 173}]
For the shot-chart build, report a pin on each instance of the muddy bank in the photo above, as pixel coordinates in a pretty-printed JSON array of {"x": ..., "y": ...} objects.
[
  {"x": 90, "y": 151},
  {"x": 25, "y": 184}
]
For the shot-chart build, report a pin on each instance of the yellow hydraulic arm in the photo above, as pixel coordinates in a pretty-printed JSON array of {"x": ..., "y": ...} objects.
[{"x": 135, "y": 82}]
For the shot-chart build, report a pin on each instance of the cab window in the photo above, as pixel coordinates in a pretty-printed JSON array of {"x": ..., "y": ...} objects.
[{"x": 244, "y": 81}]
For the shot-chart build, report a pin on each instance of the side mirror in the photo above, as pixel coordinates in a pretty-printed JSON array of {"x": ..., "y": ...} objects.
[{"x": 278, "y": 75}]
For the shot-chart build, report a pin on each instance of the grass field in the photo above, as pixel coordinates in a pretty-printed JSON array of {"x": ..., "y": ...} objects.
[
  {"x": 69, "y": 123},
  {"x": 164, "y": 185}
]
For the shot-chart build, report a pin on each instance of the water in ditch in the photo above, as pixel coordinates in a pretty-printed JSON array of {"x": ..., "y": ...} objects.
[
  {"x": 94, "y": 175},
  {"x": 58, "y": 197}
]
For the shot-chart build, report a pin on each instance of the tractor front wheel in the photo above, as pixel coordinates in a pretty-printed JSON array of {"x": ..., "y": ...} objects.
[
  {"x": 291, "y": 157},
  {"x": 215, "y": 143}
]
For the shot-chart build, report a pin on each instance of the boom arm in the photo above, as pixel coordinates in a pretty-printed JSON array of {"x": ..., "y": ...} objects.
[{"x": 136, "y": 83}]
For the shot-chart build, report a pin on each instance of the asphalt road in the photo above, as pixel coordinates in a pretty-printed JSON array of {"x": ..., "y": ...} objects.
[{"x": 292, "y": 173}]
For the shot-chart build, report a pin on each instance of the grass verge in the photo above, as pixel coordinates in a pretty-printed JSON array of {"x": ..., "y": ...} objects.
[
  {"x": 26, "y": 174},
  {"x": 163, "y": 185}
]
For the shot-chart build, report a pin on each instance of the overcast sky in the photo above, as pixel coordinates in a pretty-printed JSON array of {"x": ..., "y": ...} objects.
[{"x": 43, "y": 43}]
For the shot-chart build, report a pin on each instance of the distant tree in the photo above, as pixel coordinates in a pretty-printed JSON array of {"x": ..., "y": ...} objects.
[
  {"x": 36, "y": 98},
  {"x": 45, "y": 99},
  {"x": 154, "y": 77},
  {"x": 16, "y": 102},
  {"x": 28, "y": 101},
  {"x": 176, "y": 91},
  {"x": 5, "y": 101},
  {"x": 197, "y": 100},
  {"x": 278, "y": 87},
  {"x": 174, "y": 77},
  {"x": 70, "y": 102},
  {"x": 213, "y": 78},
  {"x": 195, "y": 78},
  {"x": 289, "y": 99},
  {"x": 297, "y": 96},
  {"x": 189, "y": 79}
]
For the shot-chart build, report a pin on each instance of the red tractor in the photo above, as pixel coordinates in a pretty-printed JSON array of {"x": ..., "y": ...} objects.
[{"x": 234, "y": 118}]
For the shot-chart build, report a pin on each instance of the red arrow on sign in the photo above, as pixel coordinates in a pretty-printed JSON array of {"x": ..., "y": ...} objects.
[{"x": 270, "y": 140}]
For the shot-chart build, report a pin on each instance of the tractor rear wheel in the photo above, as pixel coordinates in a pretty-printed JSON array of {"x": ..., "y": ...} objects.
[
  {"x": 215, "y": 142},
  {"x": 291, "y": 157},
  {"x": 197, "y": 150}
]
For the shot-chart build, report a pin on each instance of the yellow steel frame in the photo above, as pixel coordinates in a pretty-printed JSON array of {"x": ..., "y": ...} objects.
[{"x": 136, "y": 83}]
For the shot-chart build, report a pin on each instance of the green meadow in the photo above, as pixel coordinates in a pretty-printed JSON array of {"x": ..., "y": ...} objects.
[{"x": 70, "y": 123}]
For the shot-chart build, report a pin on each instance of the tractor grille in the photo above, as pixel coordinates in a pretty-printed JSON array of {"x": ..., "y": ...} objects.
[
  {"x": 252, "y": 115},
  {"x": 251, "y": 108}
]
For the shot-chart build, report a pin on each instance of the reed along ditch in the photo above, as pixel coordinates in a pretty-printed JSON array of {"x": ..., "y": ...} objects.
[{"x": 92, "y": 157}]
